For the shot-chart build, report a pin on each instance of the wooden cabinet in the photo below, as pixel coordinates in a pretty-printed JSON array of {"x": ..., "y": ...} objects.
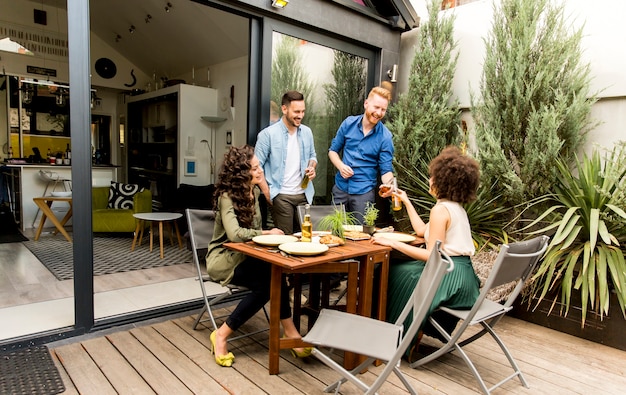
[{"x": 165, "y": 131}]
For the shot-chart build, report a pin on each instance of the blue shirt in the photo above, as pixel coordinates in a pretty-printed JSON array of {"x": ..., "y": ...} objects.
[
  {"x": 368, "y": 156},
  {"x": 271, "y": 149}
]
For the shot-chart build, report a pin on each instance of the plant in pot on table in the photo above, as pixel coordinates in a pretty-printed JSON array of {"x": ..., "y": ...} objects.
[
  {"x": 369, "y": 218},
  {"x": 335, "y": 221}
]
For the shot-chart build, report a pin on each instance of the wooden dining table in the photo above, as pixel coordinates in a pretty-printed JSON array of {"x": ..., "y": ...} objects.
[{"x": 361, "y": 258}]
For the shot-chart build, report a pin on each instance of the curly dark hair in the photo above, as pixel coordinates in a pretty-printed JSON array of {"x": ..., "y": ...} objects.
[
  {"x": 455, "y": 176},
  {"x": 235, "y": 179}
]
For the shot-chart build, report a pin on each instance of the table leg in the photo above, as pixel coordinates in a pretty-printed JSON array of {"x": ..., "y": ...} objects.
[
  {"x": 45, "y": 208},
  {"x": 42, "y": 222},
  {"x": 161, "y": 237},
  {"x": 151, "y": 235},
  {"x": 132, "y": 248},
  {"x": 170, "y": 231},
  {"x": 366, "y": 288},
  {"x": 275, "y": 291},
  {"x": 143, "y": 227},
  {"x": 180, "y": 241}
]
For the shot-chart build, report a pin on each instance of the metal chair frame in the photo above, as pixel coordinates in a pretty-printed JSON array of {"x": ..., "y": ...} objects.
[
  {"x": 201, "y": 224},
  {"x": 515, "y": 262},
  {"x": 378, "y": 340}
]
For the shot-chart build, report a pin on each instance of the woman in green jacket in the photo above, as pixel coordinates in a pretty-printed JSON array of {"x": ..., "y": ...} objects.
[{"x": 238, "y": 219}]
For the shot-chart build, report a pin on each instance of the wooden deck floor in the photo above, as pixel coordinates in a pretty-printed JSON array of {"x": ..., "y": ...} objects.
[{"x": 171, "y": 358}]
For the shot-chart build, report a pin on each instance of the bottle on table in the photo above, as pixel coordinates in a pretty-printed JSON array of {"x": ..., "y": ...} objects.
[
  {"x": 307, "y": 225},
  {"x": 68, "y": 152},
  {"x": 49, "y": 154},
  {"x": 10, "y": 152}
]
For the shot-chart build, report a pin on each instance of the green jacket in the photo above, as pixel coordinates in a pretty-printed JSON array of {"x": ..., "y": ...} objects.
[{"x": 221, "y": 261}]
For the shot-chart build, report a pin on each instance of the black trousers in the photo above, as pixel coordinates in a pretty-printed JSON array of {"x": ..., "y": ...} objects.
[{"x": 255, "y": 275}]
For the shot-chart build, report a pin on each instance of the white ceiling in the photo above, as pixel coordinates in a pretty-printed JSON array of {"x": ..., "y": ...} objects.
[{"x": 189, "y": 35}]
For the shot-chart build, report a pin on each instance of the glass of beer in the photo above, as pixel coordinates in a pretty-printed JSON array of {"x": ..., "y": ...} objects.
[
  {"x": 396, "y": 203},
  {"x": 384, "y": 188}
]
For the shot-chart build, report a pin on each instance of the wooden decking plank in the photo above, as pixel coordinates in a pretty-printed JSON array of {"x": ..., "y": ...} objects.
[
  {"x": 552, "y": 362},
  {"x": 539, "y": 372},
  {"x": 158, "y": 376},
  {"x": 493, "y": 367},
  {"x": 70, "y": 389},
  {"x": 118, "y": 371},
  {"x": 604, "y": 359},
  {"x": 187, "y": 371},
  {"x": 85, "y": 374},
  {"x": 538, "y": 362},
  {"x": 197, "y": 345}
]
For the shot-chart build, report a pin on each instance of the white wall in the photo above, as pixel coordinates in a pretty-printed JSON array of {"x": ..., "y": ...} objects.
[
  {"x": 225, "y": 75},
  {"x": 604, "y": 31},
  {"x": 20, "y": 13}
]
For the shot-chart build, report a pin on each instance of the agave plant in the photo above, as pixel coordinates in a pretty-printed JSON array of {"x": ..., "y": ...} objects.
[{"x": 586, "y": 253}]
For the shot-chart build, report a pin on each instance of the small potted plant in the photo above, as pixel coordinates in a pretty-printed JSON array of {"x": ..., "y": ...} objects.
[
  {"x": 369, "y": 218},
  {"x": 335, "y": 221}
]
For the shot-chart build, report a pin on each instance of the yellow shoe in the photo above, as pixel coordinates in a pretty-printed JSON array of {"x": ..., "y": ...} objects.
[
  {"x": 306, "y": 351},
  {"x": 222, "y": 360}
]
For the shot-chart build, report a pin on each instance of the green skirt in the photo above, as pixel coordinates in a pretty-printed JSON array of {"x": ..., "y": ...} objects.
[{"x": 459, "y": 289}]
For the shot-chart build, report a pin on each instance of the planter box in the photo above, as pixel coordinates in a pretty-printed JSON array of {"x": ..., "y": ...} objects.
[{"x": 608, "y": 331}]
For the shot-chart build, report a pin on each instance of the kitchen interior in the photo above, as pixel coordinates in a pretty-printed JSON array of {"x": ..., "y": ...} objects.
[
  {"x": 166, "y": 77},
  {"x": 161, "y": 97}
]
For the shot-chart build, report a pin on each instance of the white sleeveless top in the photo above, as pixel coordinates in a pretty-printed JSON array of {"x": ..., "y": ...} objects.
[{"x": 459, "y": 235}]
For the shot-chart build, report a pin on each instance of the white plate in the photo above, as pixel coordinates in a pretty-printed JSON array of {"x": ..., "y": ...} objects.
[
  {"x": 315, "y": 233},
  {"x": 355, "y": 228},
  {"x": 395, "y": 236},
  {"x": 62, "y": 193},
  {"x": 299, "y": 248},
  {"x": 273, "y": 240}
]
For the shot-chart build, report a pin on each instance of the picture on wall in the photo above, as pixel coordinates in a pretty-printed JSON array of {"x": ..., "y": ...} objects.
[{"x": 190, "y": 167}]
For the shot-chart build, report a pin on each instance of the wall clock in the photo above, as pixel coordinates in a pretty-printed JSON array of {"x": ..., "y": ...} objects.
[{"x": 105, "y": 68}]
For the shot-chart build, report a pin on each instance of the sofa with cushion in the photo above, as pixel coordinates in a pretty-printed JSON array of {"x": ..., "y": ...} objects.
[{"x": 113, "y": 207}]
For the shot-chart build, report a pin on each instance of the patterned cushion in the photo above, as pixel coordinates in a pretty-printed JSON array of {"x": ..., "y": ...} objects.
[{"x": 121, "y": 195}]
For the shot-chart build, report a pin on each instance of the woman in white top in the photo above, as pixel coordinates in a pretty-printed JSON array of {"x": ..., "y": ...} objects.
[{"x": 454, "y": 179}]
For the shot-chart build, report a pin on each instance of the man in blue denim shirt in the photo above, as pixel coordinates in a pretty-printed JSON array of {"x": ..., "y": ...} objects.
[
  {"x": 367, "y": 152},
  {"x": 286, "y": 153}
]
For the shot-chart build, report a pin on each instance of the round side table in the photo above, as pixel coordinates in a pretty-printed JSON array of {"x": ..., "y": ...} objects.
[{"x": 161, "y": 218}]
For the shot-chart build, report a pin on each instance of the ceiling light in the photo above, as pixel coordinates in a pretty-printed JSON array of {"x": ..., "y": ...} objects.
[
  {"x": 148, "y": 18},
  {"x": 117, "y": 38},
  {"x": 279, "y": 3},
  {"x": 168, "y": 7},
  {"x": 131, "y": 29}
]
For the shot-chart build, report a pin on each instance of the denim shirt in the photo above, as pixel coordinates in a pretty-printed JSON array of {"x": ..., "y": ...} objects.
[
  {"x": 271, "y": 149},
  {"x": 368, "y": 156}
]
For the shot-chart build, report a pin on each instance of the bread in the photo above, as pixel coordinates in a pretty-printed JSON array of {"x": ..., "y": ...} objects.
[
  {"x": 331, "y": 239},
  {"x": 352, "y": 234}
]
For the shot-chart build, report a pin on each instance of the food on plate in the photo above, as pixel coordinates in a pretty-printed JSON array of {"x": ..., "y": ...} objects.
[
  {"x": 352, "y": 234},
  {"x": 331, "y": 239}
]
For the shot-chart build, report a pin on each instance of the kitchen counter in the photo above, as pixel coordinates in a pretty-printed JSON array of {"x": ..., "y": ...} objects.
[{"x": 26, "y": 184}]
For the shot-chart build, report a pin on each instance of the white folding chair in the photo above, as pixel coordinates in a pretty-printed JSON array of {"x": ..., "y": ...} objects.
[
  {"x": 515, "y": 262},
  {"x": 378, "y": 340},
  {"x": 201, "y": 224}
]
